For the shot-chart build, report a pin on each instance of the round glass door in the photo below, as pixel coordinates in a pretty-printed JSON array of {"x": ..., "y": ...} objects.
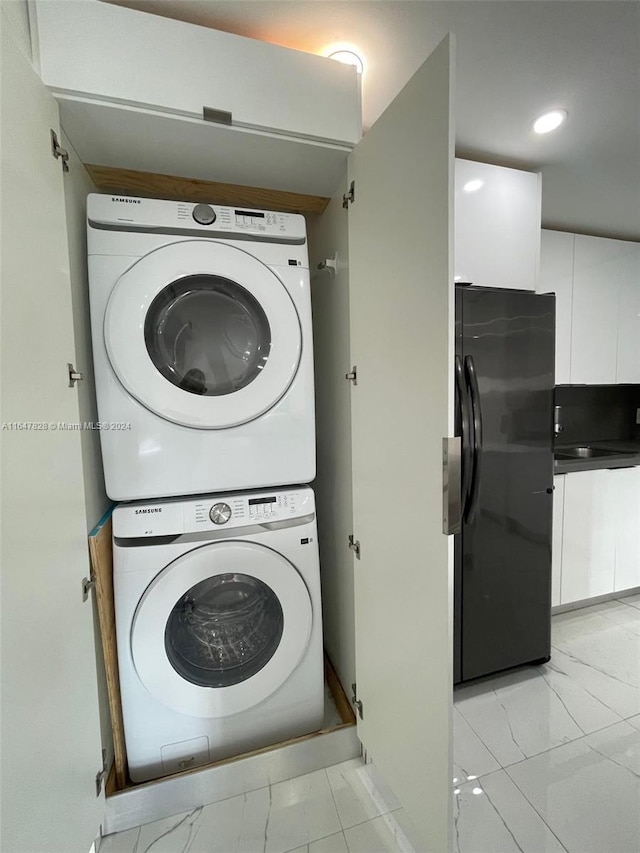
[
  {"x": 221, "y": 628},
  {"x": 203, "y": 334},
  {"x": 207, "y": 335}
]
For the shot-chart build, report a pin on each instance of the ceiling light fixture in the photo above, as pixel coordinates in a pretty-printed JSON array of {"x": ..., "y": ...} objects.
[
  {"x": 347, "y": 54},
  {"x": 473, "y": 186},
  {"x": 549, "y": 121}
]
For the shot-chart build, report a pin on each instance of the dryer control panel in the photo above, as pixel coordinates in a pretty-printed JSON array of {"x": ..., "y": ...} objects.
[
  {"x": 211, "y": 512},
  {"x": 159, "y": 216}
]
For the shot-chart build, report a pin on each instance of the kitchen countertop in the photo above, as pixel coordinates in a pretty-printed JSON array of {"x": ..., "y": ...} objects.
[{"x": 631, "y": 449}]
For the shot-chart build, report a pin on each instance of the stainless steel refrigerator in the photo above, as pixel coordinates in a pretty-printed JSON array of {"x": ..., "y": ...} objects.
[{"x": 504, "y": 367}]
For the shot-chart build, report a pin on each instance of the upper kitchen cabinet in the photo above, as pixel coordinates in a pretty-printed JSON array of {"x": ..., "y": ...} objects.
[
  {"x": 497, "y": 226},
  {"x": 143, "y": 92},
  {"x": 628, "y": 351},
  {"x": 594, "y": 334},
  {"x": 556, "y": 276},
  {"x": 605, "y": 333},
  {"x": 597, "y": 287}
]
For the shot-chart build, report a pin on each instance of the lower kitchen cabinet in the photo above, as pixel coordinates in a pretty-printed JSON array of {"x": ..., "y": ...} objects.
[
  {"x": 588, "y": 535},
  {"x": 627, "y": 510},
  {"x": 556, "y": 542},
  {"x": 596, "y": 534}
]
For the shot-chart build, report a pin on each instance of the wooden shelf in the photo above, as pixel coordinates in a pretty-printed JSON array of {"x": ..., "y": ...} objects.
[{"x": 153, "y": 185}]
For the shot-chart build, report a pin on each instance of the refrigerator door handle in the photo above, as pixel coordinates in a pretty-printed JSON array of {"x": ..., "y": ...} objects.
[
  {"x": 465, "y": 424},
  {"x": 472, "y": 382}
]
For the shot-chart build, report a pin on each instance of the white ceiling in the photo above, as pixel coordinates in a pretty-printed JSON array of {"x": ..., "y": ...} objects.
[{"x": 515, "y": 59}]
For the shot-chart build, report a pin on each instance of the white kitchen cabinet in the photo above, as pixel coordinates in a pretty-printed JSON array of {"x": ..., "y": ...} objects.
[
  {"x": 599, "y": 267},
  {"x": 497, "y": 225},
  {"x": 132, "y": 88},
  {"x": 627, "y": 513},
  {"x": 597, "y": 287},
  {"x": 416, "y": 130},
  {"x": 628, "y": 354},
  {"x": 556, "y": 542},
  {"x": 588, "y": 536},
  {"x": 597, "y": 533},
  {"x": 556, "y": 276}
]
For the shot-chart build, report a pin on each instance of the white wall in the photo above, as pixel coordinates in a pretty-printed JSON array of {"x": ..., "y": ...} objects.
[{"x": 17, "y": 16}]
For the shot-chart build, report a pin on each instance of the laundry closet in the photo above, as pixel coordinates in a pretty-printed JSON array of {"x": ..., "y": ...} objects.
[{"x": 379, "y": 219}]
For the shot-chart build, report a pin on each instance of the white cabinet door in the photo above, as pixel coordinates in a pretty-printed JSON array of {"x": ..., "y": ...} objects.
[
  {"x": 51, "y": 747},
  {"x": 598, "y": 267},
  {"x": 626, "y": 495},
  {"x": 556, "y": 547},
  {"x": 628, "y": 360},
  {"x": 97, "y": 50},
  {"x": 497, "y": 226},
  {"x": 556, "y": 276},
  {"x": 589, "y": 535},
  {"x": 401, "y": 315}
]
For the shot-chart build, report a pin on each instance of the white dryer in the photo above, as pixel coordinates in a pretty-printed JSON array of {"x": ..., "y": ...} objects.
[
  {"x": 219, "y": 626},
  {"x": 202, "y": 343}
]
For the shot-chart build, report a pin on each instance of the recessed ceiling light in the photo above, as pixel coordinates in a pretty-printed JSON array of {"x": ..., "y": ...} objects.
[
  {"x": 347, "y": 54},
  {"x": 549, "y": 121},
  {"x": 473, "y": 186}
]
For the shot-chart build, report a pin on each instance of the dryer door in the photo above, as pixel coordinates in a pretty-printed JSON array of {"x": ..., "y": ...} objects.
[
  {"x": 203, "y": 334},
  {"x": 221, "y": 628}
]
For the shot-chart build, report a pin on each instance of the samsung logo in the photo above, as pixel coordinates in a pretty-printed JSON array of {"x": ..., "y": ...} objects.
[
  {"x": 146, "y": 511},
  {"x": 127, "y": 200}
]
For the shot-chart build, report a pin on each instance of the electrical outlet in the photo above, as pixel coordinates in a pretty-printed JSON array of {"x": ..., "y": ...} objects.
[{"x": 638, "y": 416}]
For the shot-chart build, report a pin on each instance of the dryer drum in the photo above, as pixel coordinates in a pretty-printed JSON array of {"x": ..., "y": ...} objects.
[{"x": 224, "y": 630}]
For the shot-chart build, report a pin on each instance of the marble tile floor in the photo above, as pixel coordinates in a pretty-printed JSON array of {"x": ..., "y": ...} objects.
[
  {"x": 346, "y": 808},
  {"x": 546, "y": 760}
]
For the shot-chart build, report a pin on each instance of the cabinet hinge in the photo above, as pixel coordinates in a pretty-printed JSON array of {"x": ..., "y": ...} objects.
[
  {"x": 87, "y": 585},
  {"x": 355, "y": 546},
  {"x": 73, "y": 375},
  {"x": 59, "y": 152},
  {"x": 101, "y": 775},
  {"x": 353, "y": 376},
  {"x": 350, "y": 197},
  {"x": 356, "y": 701}
]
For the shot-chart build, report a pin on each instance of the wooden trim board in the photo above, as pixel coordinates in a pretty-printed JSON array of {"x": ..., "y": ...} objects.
[
  {"x": 101, "y": 552},
  {"x": 172, "y": 187}
]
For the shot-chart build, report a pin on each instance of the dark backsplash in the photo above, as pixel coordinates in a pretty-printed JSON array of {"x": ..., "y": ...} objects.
[{"x": 597, "y": 413}]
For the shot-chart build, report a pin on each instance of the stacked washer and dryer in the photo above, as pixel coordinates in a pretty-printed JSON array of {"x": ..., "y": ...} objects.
[{"x": 202, "y": 343}]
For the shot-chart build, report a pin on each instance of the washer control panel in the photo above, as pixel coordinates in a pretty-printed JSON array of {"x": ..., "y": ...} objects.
[
  {"x": 211, "y": 512},
  {"x": 247, "y": 509}
]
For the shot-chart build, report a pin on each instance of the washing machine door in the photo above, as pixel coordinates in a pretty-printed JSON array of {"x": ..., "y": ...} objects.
[
  {"x": 203, "y": 334},
  {"x": 221, "y": 628}
]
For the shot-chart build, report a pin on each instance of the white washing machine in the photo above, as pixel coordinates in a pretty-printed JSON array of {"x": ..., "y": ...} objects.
[
  {"x": 219, "y": 626},
  {"x": 202, "y": 344}
]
